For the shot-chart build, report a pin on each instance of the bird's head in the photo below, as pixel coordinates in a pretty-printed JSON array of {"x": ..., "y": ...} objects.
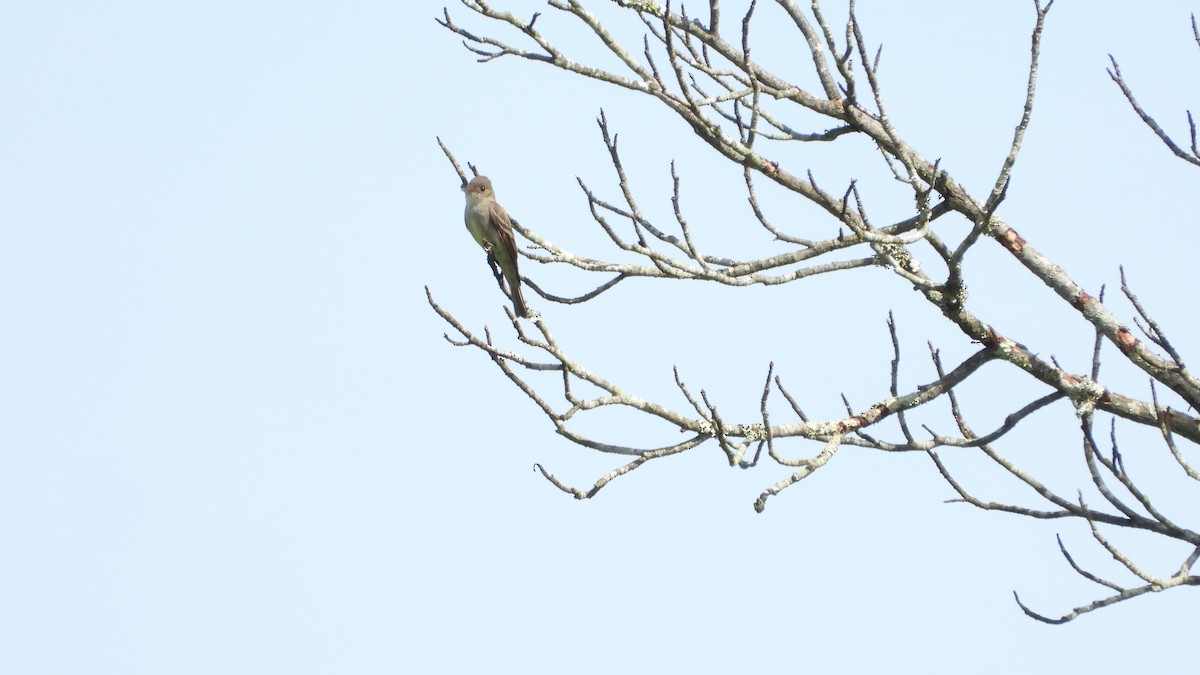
[{"x": 479, "y": 188}]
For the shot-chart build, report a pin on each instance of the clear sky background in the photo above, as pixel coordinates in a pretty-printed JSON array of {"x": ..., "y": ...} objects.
[{"x": 233, "y": 439}]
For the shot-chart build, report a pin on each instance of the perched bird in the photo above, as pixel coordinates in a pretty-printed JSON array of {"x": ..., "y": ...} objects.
[{"x": 492, "y": 228}]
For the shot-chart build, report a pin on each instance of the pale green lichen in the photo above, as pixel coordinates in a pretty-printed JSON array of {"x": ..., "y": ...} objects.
[{"x": 642, "y": 6}]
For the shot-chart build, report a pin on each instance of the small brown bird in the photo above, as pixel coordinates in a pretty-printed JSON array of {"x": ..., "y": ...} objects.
[{"x": 489, "y": 223}]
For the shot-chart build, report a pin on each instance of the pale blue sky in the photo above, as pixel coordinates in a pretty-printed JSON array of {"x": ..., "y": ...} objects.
[{"x": 232, "y": 438}]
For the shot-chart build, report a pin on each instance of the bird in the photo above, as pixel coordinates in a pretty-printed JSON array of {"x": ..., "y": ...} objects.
[{"x": 491, "y": 227}]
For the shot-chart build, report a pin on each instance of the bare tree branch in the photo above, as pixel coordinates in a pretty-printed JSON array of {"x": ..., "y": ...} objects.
[
  {"x": 709, "y": 81},
  {"x": 1192, "y": 157}
]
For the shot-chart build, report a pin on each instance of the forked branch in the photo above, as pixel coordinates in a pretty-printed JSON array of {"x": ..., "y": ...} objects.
[{"x": 705, "y": 75}]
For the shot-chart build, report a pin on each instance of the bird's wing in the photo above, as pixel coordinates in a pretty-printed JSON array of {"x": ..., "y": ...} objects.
[{"x": 504, "y": 230}]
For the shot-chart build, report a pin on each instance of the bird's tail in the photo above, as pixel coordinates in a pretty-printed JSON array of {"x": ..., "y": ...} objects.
[{"x": 514, "y": 289}]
